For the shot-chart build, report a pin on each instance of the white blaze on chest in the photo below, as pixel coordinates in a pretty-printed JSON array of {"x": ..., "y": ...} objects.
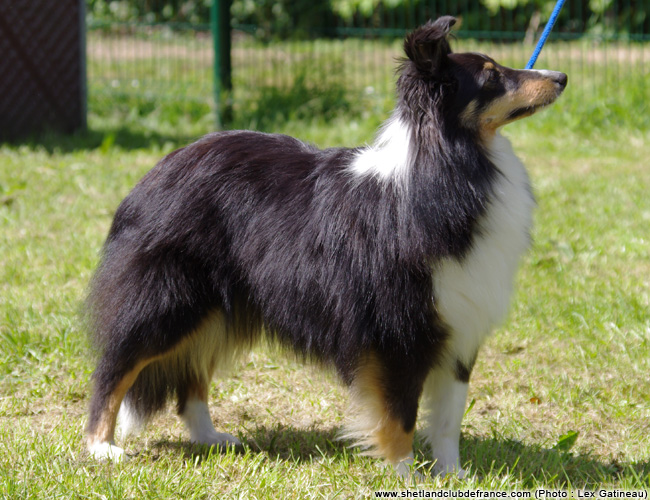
[{"x": 473, "y": 295}]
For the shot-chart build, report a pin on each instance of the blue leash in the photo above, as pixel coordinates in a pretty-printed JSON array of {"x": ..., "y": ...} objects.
[{"x": 547, "y": 31}]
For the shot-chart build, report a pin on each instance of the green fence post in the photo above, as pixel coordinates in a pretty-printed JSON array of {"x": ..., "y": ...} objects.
[
  {"x": 83, "y": 64},
  {"x": 220, "y": 20}
]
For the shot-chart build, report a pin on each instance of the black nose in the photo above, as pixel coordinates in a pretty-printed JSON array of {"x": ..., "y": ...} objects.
[
  {"x": 562, "y": 79},
  {"x": 555, "y": 76}
]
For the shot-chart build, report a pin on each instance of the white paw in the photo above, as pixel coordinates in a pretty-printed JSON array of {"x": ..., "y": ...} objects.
[
  {"x": 214, "y": 438},
  {"x": 197, "y": 418},
  {"x": 107, "y": 451},
  {"x": 406, "y": 471},
  {"x": 447, "y": 458},
  {"x": 441, "y": 469}
]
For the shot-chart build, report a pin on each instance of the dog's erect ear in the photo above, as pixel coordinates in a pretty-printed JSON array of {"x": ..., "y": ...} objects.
[{"x": 427, "y": 46}]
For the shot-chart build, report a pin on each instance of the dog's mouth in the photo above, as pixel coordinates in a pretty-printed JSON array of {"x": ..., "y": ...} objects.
[
  {"x": 534, "y": 90},
  {"x": 551, "y": 90},
  {"x": 525, "y": 111},
  {"x": 522, "y": 112}
]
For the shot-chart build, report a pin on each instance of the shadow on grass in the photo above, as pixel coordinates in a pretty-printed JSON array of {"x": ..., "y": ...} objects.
[
  {"x": 297, "y": 444},
  {"x": 487, "y": 458},
  {"x": 284, "y": 443},
  {"x": 558, "y": 469},
  {"x": 126, "y": 138}
]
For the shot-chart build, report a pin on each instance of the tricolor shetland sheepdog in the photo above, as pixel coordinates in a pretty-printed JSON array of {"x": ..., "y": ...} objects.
[{"x": 390, "y": 262}]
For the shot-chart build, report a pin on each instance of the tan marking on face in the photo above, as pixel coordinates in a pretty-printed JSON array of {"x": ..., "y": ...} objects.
[
  {"x": 538, "y": 92},
  {"x": 488, "y": 66},
  {"x": 467, "y": 117},
  {"x": 373, "y": 427},
  {"x": 532, "y": 93}
]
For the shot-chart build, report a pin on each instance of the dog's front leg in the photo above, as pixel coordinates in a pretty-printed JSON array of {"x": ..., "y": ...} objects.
[
  {"x": 444, "y": 398},
  {"x": 384, "y": 399}
]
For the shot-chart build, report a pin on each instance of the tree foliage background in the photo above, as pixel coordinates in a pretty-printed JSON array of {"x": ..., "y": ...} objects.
[{"x": 269, "y": 19}]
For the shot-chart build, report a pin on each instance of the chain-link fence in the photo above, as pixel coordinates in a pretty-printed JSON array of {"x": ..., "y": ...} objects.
[
  {"x": 139, "y": 63},
  {"x": 148, "y": 54},
  {"x": 42, "y": 82}
]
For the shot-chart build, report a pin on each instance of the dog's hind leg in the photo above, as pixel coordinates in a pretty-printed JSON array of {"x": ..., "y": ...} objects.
[
  {"x": 196, "y": 415},
  {"x": 112, "y": 381},
  {"x": 444, "y": 397},
  {"x": 210, "y": 348},
  {"x": 139, "y": 322}
]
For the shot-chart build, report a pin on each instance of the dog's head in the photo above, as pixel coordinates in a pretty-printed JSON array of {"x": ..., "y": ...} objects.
[{"x": 470, "y": 89}]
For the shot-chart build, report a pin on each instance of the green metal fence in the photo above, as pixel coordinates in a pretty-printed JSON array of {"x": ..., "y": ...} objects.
[
  {"x": 148, "y": 55},
  {"x": 147, "y": 63}
]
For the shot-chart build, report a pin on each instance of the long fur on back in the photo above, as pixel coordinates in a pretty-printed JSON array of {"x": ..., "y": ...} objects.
[{"x": 364, "y": 258}]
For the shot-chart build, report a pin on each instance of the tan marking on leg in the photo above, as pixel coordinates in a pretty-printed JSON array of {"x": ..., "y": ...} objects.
[
  {"x": 199, "y": 391},
  {"x": 195, "y": 390},
  {"x": 393, "y": 442},
  {"x": 373, "y": 428},
  {"x": 207, "y": 349},
  {"x": 105, "y": 430}
]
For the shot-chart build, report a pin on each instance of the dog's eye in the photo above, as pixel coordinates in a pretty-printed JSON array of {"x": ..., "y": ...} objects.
[{"x": 492, "y": 78}]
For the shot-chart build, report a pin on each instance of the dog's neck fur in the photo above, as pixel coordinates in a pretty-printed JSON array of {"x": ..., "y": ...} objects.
[
  {"x": 445, "y": 176},
  {"x": 389, "y": 157}
]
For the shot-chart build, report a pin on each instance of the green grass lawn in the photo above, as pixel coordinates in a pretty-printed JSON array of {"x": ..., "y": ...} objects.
[{"x": 559, "y": 399}]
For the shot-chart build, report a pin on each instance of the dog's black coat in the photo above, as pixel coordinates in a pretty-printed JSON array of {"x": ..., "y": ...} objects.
[
  {"x": 281, "y": 236},
  {"x": 275, "y": 231}
]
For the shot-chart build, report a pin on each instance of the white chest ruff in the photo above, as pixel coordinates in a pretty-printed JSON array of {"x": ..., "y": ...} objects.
[{"x": 473, "y": 295}]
